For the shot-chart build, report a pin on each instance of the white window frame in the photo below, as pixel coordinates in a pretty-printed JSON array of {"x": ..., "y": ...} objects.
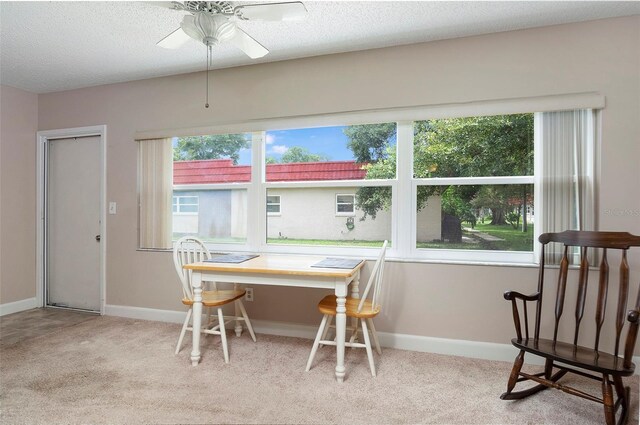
[
  {"x": 178, "y": 204},
  {"x": 352, "y": 203},
  {"x": 404, "y": 186},
  {"x": 279, "y": 204},
  {"x": 441, "y": 254}
]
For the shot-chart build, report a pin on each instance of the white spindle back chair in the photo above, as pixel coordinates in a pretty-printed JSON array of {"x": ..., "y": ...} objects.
[
  {"x": 190, "y": 249},
  {"x": 362, "y": 309}
]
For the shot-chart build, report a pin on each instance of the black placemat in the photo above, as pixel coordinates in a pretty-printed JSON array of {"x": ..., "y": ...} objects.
[
  {"x": 232, "y": 258},
  {"x": 337, "y": 263}
]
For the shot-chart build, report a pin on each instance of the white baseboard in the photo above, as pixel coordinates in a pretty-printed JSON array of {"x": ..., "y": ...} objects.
[
  {"x": 453, "y": 347},
  {"x": 428, "y": 344},
  {"x": 18, "y": 306}
]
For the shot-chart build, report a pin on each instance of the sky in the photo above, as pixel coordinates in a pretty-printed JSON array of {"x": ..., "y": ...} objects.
[{"x": 328, "y": 141}]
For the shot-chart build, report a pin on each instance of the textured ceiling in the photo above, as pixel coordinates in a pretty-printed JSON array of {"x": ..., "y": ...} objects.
[{"x": 53, "y": 46}]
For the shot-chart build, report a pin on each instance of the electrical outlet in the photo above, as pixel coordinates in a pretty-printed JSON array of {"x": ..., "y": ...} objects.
[{"x": 249, "y": 296}]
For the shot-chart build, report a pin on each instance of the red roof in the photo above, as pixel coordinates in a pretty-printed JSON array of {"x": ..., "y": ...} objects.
[{"x": 223, "y": 171}]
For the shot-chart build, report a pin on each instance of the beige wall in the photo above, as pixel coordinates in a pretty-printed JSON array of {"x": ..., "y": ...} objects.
[
  {"x": 441, "y": 300},
  {"x": 18, "y": 126}
]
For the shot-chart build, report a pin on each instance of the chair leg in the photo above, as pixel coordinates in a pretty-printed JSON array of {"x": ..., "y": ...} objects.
[
  {"x": 223, "y": 335},
  {"x": 374, "y": 334},
  {"x": 208, "y": 318},
  {"x": 246, "y": 320},
  {"x": 607, "y": 400},
  {"x": 513, "y": 377},
  {"x": 354, "y": 333},
  {"x": 623, "y": 394},
  {"x": 367, "y": 344},
  {"x": 316, "y": 342},
  {"x": 183, "y": 331},
  {"x": 326, "y": 330}
]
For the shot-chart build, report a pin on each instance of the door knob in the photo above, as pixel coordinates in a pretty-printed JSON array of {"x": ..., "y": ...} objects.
[{"x": 97, "y": 238}]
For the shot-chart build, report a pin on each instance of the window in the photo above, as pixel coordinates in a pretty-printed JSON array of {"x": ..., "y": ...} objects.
[
  {"x": 185, "y": 205},
  {"x": 345, "y": 204},
  {"x": 321, "y": 173},
  {"x": 273, "y": 205},
  {"x": 474, "y": 188},
  {"x": 211, "y": 176},
  {"x": 468, "y": 174}
]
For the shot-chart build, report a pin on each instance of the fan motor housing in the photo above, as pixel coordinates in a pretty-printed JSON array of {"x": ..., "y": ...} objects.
[{"x": 215, "y": 7}]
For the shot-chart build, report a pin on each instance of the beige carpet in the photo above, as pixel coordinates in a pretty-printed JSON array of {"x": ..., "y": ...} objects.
[{"x": 113, "y": 370}]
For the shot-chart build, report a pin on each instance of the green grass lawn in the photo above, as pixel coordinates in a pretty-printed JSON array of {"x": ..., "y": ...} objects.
[{"x": 513, "y": 239}]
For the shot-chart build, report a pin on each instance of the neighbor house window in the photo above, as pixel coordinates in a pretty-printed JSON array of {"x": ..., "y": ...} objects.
[
  {"x": 185, "y": 205},
  {"x": 345, "y": 204},
  {"x": 273, "y": 205}
]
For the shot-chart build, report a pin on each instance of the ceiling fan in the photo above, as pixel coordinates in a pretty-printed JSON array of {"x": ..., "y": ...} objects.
[{"x": 214, "y": 22}]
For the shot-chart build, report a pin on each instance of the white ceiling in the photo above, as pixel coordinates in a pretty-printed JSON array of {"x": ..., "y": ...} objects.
[{"x": 54, "y": 46}]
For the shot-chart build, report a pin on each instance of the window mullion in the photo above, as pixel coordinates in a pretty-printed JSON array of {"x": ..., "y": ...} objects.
[
  {"x": 256, "y": 196},
  {"x": 402, "y": 203}
]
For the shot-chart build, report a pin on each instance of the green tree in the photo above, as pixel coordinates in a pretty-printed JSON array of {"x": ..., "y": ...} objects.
[
  {"x": 458, "y": 147},
  {"x": 369, "y": 142},
  {"x": 297, "y": 154},
  {"x": 499, "y": 145},
  {"x": 210, "y": 147},
  {"x": 371, "y": 145}
]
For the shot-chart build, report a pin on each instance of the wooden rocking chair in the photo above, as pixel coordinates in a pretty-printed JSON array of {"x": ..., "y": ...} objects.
[{"x": 569, "y": 356}]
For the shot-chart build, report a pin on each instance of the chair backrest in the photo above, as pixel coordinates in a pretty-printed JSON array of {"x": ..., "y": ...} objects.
[
  {"x": 374, "y": 285},
  {"x": 188, "y": 249},
  {"x": 610, "y": 244}
]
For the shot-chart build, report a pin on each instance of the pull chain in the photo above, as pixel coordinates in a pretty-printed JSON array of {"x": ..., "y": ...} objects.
[{"x": 206, "y": 105}]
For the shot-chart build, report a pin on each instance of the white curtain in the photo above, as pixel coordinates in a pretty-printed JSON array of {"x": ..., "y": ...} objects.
[
  {"x": 155, "y": 182},
  {"x": 566, "y": 170}
]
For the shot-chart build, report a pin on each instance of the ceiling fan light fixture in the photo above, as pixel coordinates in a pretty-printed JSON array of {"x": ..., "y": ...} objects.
[{"x": 207, "y": 28}]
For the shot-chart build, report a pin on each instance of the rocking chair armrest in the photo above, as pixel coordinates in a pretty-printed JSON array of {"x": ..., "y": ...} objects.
[{"x": 511, "y": 295}]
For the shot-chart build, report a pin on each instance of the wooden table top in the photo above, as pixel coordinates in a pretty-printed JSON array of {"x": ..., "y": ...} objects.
[{"x": 299, "y": 265}]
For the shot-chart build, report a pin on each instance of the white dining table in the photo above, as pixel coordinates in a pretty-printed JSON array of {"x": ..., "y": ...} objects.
[{"x": 278, "y": 270}]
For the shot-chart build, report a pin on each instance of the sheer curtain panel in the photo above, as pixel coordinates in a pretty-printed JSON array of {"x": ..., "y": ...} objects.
[
  {"x": 566, "y": 169},
  {"x": 155, "y": 182}
]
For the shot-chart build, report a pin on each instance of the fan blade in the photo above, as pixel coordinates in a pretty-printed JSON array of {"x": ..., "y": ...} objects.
[
  {"x": 247, "y": 44},
  {"x": 290, "y": 11},
  {"x": 175, "y": 5},
  {"x": 174, "y": 40}
]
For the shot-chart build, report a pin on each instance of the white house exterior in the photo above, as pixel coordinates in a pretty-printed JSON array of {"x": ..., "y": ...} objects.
[{"x": 326, "y": 213}]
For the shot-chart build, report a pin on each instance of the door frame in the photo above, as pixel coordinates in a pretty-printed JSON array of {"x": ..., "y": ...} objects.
[{"x": 42, "y": 139}]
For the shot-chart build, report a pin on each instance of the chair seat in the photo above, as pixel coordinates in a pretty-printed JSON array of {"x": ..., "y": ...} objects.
[
  {"x": 216, "y": 298},
  {"x": 328, "y": 306},
  {"x": 583, "y": 357}
]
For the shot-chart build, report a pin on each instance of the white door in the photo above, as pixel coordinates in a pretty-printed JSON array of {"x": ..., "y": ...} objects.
[{"x": 72, "y": 223}]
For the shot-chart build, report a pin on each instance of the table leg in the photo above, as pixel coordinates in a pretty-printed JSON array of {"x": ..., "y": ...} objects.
[
  {"x": 355, "y": 293},
  {"x": 341, "y": 329},
  {"x": 196, "y": 283},
  {"x": 237, "y": 313}
]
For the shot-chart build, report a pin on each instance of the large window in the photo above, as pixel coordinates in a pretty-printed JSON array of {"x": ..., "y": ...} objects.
[
  {"x": 469, "y": 173},
  {"x": 476, "y": 188}
]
